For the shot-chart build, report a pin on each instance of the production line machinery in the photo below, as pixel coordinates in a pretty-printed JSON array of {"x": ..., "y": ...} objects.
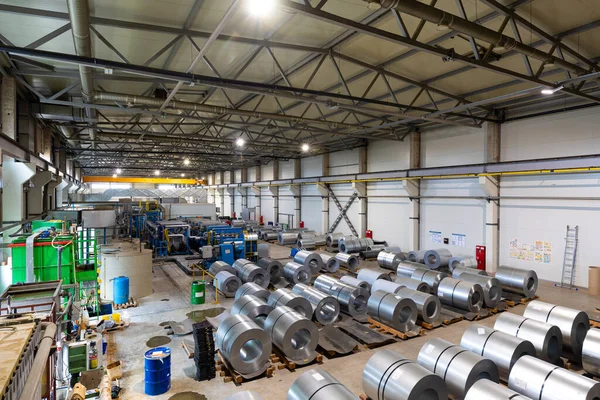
[{"x": 168, "y": 237}]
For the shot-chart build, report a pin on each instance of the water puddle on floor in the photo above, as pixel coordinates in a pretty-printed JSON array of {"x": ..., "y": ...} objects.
[
  {"x": 188, "y": 396},
  {"x": 201, "y": 315},
  {"x": 158, "y": 341}
]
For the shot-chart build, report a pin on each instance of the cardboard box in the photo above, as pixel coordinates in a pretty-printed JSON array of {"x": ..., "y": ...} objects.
[{"x": 594, "y": 281}]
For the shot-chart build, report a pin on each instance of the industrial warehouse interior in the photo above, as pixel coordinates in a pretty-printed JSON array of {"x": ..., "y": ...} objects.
[{"x": 299, "y": 199}]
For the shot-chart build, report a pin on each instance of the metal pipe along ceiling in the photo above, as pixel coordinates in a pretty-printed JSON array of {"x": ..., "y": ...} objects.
[{"x": 442, "y": 18}]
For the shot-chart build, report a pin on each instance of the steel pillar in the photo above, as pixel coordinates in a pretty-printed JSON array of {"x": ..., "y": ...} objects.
[
  {"x": 492, "y": 145},
  {"x": 491, "y": 187},
  {"x": 361, "y": 189},
  {"x": 324, "y": 207},
  {"x": 413, "y": 189},
  {"x": 231, "y": 193},
  {"x": 8, "y": 98}
]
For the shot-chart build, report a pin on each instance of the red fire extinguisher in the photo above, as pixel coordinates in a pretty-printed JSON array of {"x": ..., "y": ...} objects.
[
  {"x": 369, "y": 234},
  {"x": 301, "y": 224},
  {"x": 480, "y": 257}
]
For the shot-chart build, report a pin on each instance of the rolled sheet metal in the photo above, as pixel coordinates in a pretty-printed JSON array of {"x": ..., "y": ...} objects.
[
  {"x": 326, "y": 308},
  {"x": 432, "y": 278},
  {"x": 244, "y": 344},
  {"x": 417, "y": 256},
  {"x": 503, "y": 349},
  {"x": 367, "y": 254},
  {"x": 318, "y": 384},
  {"x": 385, "y": 286},
  {"x": 354, "y": 245},
  {"x": 459, "y": 368},
  {"x": 391, "y": 376},
  {"x": 460, "y": 294},
  {"x": 546, "y": 338},
  {"x": 252, "y": 289},
  {"x": 286, "y": 298},
  {"x": 544, "y": 381},
  {"x": 591, "y": 352},
  {"x": 245, "y": 395},
  {"x": 306, "y": 234},
  {"x": 437, "y": 258},
  {"x": 273, "y": 267},
  {"x": 353, "y": 300},
  {"x": 463, "y": 262},
  {"x": 492, "y": 289},
  {"x": 414, "y": 284},
  {"x": 488, "y": 390},
  {"x": 429, "y": 307},
  {"x": 239, "y": 263},
  {"x": 347, "y": 260},
  {"x": 355, "y": 282},
  {"x": 330, "y": 263},
  {"x": 307, "y": 244},
  {"x": 519, "y": 281},
  {"x": 371, "y": 276},
  {"x": 296, "y": 273},
  {"x": 219, "y": 266},
  {"x": 227, "y": 283},
  {"x": 393, "y": 310},
  {"x": 456, "y": 272},
  {"x": 573, "y": 324},
  {"x": 284, "y": 238},
  {"x": 310, "y": 260},
  {"x": 406, "y": 268},
  {"x": 394, "y": 249},
  {"x": 263, "y": 250},
  {"x": 268, "y": 236},
  {"x": 389, "y": 260},
  {"x": 331, "y": 239},
  {"x": 253, "y": 307},
  {"x": 253, "y": 273},
  {"x": 292, "y": 333},
  {"x": 320, "y": 240},
  {"x": 376, "y": 247}
]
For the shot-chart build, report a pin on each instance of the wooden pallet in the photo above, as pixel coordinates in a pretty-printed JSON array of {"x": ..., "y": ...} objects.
[
  {"x": 521, "y": 300},
  {"x": 363, "y": 396},
  {"x": 382, "y": 328},
  {"x": 130, "y": 303},
  {"x": 501, "y": 307},
  {"x": 278, "y": 358},
  {"x": 449, "y": 321},
  {"x": 188, "y": 350},
  {"x": 594, "y": 324},
  {"x": 430, "y": 326},
  {"x": 230, "y": 375}
]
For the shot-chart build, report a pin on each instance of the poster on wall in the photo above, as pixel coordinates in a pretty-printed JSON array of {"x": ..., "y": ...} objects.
[
  {"x": 459, "y": 240},
  {"x": 540, "y": 251},
  {"x": 435, "y": 236}
]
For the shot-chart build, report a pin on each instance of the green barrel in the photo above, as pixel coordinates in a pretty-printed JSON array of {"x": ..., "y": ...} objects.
[{"x": 197, "y": 292}]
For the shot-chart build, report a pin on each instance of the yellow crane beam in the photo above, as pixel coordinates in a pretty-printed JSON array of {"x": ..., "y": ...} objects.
[{"x": 129, "y": 179}]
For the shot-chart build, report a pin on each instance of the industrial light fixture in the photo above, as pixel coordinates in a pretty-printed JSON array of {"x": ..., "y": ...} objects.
[
  {"x": 186, "y": 161},
  {"x": 240, "y": 142},
  {"x": 305, "y": 147},
  {"x": 183, "y": 175},
  {"x": 261, "y": 8},
  {"x": 118, "y": 171},
  {"x": 114, "y": 175},
  {"x": 551, "y": 91},
  {"x": 157, "y": 172}
]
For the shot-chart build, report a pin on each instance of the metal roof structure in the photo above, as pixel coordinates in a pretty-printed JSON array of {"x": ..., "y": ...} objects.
[{"x": 144, "y": 84}]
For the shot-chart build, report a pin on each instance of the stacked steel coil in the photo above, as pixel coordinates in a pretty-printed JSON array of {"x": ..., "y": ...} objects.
[
  {"x": 488, "y": 390},
  {"x": 437, "y": 258},
  {"x": 355, "y": 282},
  {"x": 268, "y": 236},
  {"x": 219, "y": 266},
  {"x": 389, "y": 260},
  {"x": 368, "y": 254},
  {"x": 492, "y": 289},
  {"x": 250, "y": 272},
  {"x": 429, "y": 307},
  {"x": 318, "y": 384},
  {"x": 353, "y": 300},
  {"x": 370, "y": 276},
  {"x": 347, "y": 260},
  {"x": 385, "y": 286},
  {"x": 227, "y": 283},
  {"x": 273, "y": 267},
  {"x": 326, "y": 308},
  {"x": 354, "y": 245},
  {"x": 286, "y": 298},
  {"x": 417, "y": 256},
  {"x": 458, "y": 271},
  {"x": 292, "y": 333},
  {"x": 393, "y": 310},
  {"x": 307, "y": 243},
  {"x": 310, "y": 260},
  {"x": 460, "y": 294},
  {"x": 432, "y": 278},
  {"x": 414, "y": 284},
  {"x": 590, "y": 354},
  {"x": 288, "y": 238},
  {"x": 518, "y": 281},
  {"x": 330, "y": 263},
  {"x": 253, "y": 307},
  {"x": 407, "y": 268},
  {"x": 296, "y": 273},
  {"x": 252, "y": 289},
  {"x": 331, "y": 239},
  {"x": 462, "y": 261},
  {"x": 306, "y": 234}
]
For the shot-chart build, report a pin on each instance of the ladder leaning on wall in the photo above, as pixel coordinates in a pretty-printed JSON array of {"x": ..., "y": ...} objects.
[{"x": 568, "y": 269}]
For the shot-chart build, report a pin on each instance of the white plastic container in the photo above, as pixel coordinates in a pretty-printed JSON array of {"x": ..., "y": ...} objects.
[{"x": 126, "y": 262}]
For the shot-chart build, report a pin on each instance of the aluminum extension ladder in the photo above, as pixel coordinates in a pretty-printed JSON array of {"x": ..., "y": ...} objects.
[{"x": 568, "y": 269}]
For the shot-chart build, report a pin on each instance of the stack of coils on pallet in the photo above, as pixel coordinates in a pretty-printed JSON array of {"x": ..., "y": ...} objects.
[{"x": 353, "y": 300}]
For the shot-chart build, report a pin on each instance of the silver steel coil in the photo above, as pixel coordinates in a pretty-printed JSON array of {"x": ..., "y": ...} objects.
[
  {"x": 306, "y": 244},
  {"x": 227, "y": 283},
  {"x": 288, "y": 238},
  {"x": 286, "y": 298},
  {"x": 320, "y": 240},
  {"x": 330, "y": 263},
  {"x": 371, "y": 276},
  {"x": 273, "y": 267},
  {"x": 432, "y": 278},
  {"x": 354, "y": 245},
  {"x": 219, "y": 266},
  {"x": 457, "y": 271},
  {"x": 353, "y": 300},
  {"x": 268, "y": 236},
  {"x": 521, "y": 282},
  {"x": 414, "y": 284},
  {"x": 355, "y": 282},
  {"x": 331, "y": 239},
  {"x": 437, "y": 258},
  {"x": 368, "y": 254},
  {"x": 239, "y": 263},
  {"x": 546, "y": 338},
  {"x": 459, "y": 368},
  {"x": 573, "y": 324},
  {"x": 326, "y": 308},
  {"x": 503, "y": 349},
  {"x": 318, "y": 384},
  {"x": 292, "y": 333},
  {"x": 544, "y": 381},
  {"x": 245, "y": 345},
  {"x": 488, "y": 390},
  {"x": 394, "y": 249},
  {"x": 492, "y": 289},
  {"x": 463, "y": 262},
  {"x": 429, "y": 307},
  {"x": 347, "y": 260},
  {"x": 296, "y": 273},
  {"x": 310, "y": 260},
  {"x": 385, "y": 286},
  {"x": 391, "y": 376},
  {"x": 406, "y": 268},
  {"x": 389, "y": 260},
  {"x": 253, "y": 307},
  {"x": 590, "y": 354},
  {"x": 460, "y": 294},
  {"x": 306, "y": 234},
  {"x": 417, "y": 256},
  {"x": 253, "y": 273},
  {"x": 263, "y": 250},
  {"x": 252, "y": 289},
  {"x": 393, "y": 310},
  {"x": 245, "y": 395},
  {"x": 378, "y": 247}
]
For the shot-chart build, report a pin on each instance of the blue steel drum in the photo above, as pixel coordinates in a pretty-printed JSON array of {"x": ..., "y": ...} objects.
[
  {"x": 157, "y": 367},
  {"x": 121, "y": 290}
]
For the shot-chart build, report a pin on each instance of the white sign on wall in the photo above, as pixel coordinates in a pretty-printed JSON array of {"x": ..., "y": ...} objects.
[
  {"x": 540, "y": 251},
  {"x": 435, "y": 236},
  {"x": 459, "y": 240}
]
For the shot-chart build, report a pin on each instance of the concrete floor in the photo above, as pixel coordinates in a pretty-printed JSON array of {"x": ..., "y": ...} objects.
[{"x": 171, "y": 283}]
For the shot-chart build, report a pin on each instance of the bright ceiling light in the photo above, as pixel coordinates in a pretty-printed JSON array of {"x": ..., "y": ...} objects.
[
  {"x": 183, "y": 175},
  {"x": 118, "y": 171},
  {"x": 261, "y": 8},
  {"x": 305, "y": 147},
  {"x": 240, "y": 142},
  {"x": 186, "y": 161},
  {"x": 157, "y": 172},
  {"x": 550, "y": 91},
  {"x": 114, "y": 175}
]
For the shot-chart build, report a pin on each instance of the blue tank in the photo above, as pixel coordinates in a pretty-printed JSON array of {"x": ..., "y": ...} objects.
[{"x": 121, "y": 290}]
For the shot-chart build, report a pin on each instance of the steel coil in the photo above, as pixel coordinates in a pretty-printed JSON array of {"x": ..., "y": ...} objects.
[
  {"x": 385, "y": 286},
  {"x": 331, "y": 239},
  {"x": 432, "y": 278},
  {"x": 459, "y": 368},
  {"x": 227, "y": 283},
  {"x": 544, "y": 381},
  {"x": 273, "y": 267},
  {"x": 414, "y": 284},
  {"x": 353, "y": 300},
  {"x": 268, "y": 236},
  {"x": 245, "y": 395},
  {"x": 355, "y": 282},
  {"x": 368, "y": 254},
  {"x": 310, "y": 260},
  {"x": 393, "y": 310},
  {"x": 219, "y": 266},
  {"x": 239, "y": 263},
  {"x": 394, "y": 249},
  {"x": 417, "y": 256},
  {"x": 292, "y": 333},
  {"x": 245, "y": 345},
  {"x": 488, "y": 390},
  {"x": 252, "y": 289},
  {"x": 573, "y": 324},
  {"x": 307, "y": 244},
  {"x": 306, "y": 235},
  {"x": 503, "y": 349},
  {"x": 406, "y": 268},
  {"x": 460, "y": 294},
  {"x": 371, "y": 276},
  {"x": 296, "y": 273},
  {"x": 389, "y": 260},
  {"x": 330, "y": 263},
  {"x": 590, "y": 354},
  {"x": 354, "y": 245},
  {"x": 253, "y": 273},
  {"x": 263, "y": 250},
  {"x": 463, "y": 262},
  {"x": 288, "y": 238},
  {"x": 318, "y": 384},
  {"x": 347, "y": 260},
  {"x": 320, "y": 240},
  {"x": 375, "y": 247},
  {"x": 546, "y": 338},
  {"x": 286, "y": 298},
  {"x": 429, "y": 307},
  {"x": 326, "y": 308},
  {"x": 437, "y": 258},
  {"x": 391, "y": 376},
  {"x": 457, "y": 271},
  {"x": 519, "y": 281},
  {"x": 253, "y": 307},
  {"x": 492, "y": 289}
]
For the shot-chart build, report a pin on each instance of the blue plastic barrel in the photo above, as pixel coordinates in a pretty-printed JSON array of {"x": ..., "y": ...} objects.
[
  {"x": 121, "y": 290},
  {"x": 157, "y": 366}
]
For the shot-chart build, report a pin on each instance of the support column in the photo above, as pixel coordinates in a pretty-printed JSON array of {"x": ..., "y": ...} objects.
[
  {"x": 8, "y": 98},
  {"x": 222, "y": 201},
  {"x": 492, "y": 142},
  {"x": 244, "y": 192},
  {"x": 275, "y": 192},
  {"x": 361, "y": 189},
  {"x": 324, "y": 207},
  {"x": 256, "y": 192},
  {"x": 490, "y": 186},
  {"x": 36, "y": 192},
  {"x": 295, "y": 190},
  {"x": 51, "y": 193},
  {"x": 231, "y": 193},
  {"x": 413, "y": 189}
]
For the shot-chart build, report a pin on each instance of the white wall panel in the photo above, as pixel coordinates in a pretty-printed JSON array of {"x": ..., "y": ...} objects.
[
  {"x": 266, "y": 205},
  {"x": 252, "y": 174},
  {"x": 238, "y": 175},
  {"x": 287, "y": 205},
  {"x": 238, "y": 203},
  {"x": 343, "y": 162},
  {"x": 286, "y": 169},
  {"x": 312, "y": 166},
  {"x": 267, "y": 172},
  {"x": 452, "y": 146},
  {"x": 227, "y": 177},
  {"x": 387, "y": 155},
  {"x": 311, "y": 206},
  {"x": 388, "y": 212}
]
